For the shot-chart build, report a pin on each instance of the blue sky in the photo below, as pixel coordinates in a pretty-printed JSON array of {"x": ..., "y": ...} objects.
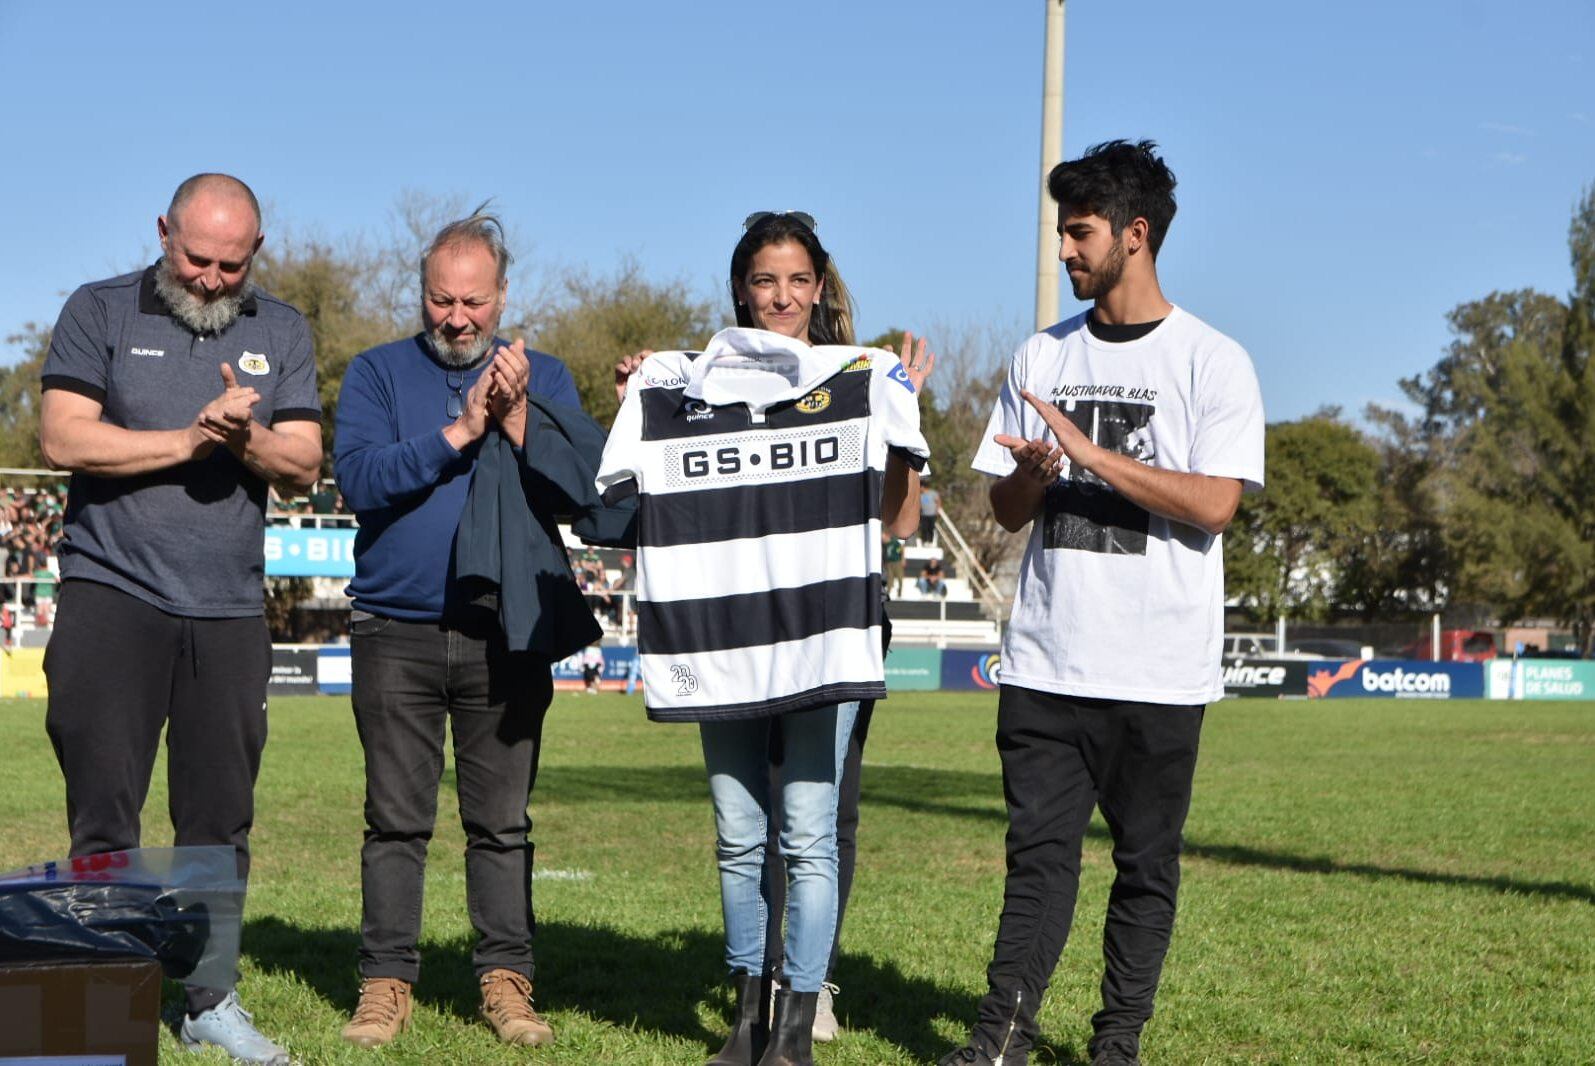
[{"x": 1348, "y": 172}]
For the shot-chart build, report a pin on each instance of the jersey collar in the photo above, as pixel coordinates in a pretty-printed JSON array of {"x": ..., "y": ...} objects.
[{"x": 760, "y": 369}]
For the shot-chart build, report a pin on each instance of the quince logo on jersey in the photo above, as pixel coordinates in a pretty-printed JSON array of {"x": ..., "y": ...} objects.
[
  {"x": 815, "y": 402},
  {"x": 698, "y": 411},
  {"x": 987, "y": 673}
]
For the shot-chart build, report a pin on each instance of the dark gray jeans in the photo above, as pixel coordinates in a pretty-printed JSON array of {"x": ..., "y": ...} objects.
[{"x": 411, "y": 681}]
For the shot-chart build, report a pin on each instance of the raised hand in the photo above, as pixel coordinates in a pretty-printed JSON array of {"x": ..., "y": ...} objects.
[
  {"x": 510, "y": 370},
  {"x": 625, "y": 369},
  {"x": 918, "y": 360},
  {"x": 1076, "y": 445}
]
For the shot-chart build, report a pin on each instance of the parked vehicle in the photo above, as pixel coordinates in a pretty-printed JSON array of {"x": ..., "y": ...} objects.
[
  {"x": 1258, "y": 646},
  {"x": 1456, "y": 645},
  {"x": 1328, "y": 648}
]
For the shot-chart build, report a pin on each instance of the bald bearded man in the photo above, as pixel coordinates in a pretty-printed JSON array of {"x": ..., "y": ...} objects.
[{"x": 175, "y": 395}]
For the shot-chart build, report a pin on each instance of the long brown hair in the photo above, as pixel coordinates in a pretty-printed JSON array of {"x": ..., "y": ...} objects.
[{"x": 832, "y": 321}]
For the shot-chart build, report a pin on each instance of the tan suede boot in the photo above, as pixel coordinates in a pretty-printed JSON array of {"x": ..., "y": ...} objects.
[
  {"x": 382, "y": 1013},
  {"x": 507, "y": 1006}
]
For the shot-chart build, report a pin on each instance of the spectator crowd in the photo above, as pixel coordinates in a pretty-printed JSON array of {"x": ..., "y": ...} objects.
[{"x": 30, "y": 527}]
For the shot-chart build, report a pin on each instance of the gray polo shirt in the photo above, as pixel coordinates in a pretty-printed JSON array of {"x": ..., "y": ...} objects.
[{"x": 187, "y": 539}]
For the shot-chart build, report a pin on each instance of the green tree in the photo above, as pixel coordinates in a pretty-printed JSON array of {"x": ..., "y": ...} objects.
[
  {"x": 1509, "y": 419},
  {"x": 1289, "y": 549},
  {"x": 596, "y": 320},
  {"x": 329, "y": 286},
  {"x": 1401, "y": 564},
  {"x": 19, "y": 399}
]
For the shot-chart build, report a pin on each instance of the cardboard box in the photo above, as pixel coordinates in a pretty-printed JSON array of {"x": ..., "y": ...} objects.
[{"x": 80, "y": 1013}]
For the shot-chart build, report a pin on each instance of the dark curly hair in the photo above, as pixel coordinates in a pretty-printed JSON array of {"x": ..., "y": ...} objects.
[{"x": 1121, "y": 182}]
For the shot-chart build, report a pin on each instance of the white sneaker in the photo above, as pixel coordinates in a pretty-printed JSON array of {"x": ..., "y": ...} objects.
[
  {"x": 825, "y": 1024},
  {"x": 232, "y": 1028}
]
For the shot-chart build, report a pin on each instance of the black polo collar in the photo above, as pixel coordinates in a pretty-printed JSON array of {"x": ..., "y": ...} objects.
[{"x": 150, "y": 302}]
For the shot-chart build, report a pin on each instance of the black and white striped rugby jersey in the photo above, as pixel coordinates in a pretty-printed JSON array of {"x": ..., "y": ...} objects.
[{"x": 758, "y": 465}]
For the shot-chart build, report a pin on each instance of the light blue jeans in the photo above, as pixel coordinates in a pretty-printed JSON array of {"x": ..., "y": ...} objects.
[{"x": 736, "y": 755}]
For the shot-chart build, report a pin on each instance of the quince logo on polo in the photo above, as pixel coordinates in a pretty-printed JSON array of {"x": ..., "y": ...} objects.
[{"x": 1406, "y": 682}]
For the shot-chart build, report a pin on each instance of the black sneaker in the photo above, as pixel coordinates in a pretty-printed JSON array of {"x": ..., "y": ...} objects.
[
  {"x": 969, "y": 1055},
  {"x": 1113, "y": 1056}
]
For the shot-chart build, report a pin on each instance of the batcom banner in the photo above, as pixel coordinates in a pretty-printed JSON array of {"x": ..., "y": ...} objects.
[
  {"x": 309, "y": 552},
  {"x": 1397, "y": 679},
  {"x": 967, "y": 668}
]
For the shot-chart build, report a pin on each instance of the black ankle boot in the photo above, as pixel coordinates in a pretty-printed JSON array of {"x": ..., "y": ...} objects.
[
  {"x": 791, "y": 1030},
  {"x": 750, "y": 1026}
]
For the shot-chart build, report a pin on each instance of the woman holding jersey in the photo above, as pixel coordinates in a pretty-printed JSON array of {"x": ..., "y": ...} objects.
[{"x": 786, "y": 786}]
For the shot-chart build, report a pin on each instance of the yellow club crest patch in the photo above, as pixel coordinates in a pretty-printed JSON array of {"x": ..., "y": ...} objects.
[
  {"x": 253, "y": 363},
  {"x": 815, "y": 402}
]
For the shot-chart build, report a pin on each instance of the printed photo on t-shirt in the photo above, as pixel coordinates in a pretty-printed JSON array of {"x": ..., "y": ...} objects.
[{"x": 1082, "y": 512}]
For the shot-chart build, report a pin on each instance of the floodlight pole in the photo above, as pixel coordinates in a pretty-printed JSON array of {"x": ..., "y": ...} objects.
[{"x": 1051, "y": 156}]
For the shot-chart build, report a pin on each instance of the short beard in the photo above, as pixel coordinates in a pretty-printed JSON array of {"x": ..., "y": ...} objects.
[
  {"x": 200, "y": 315},
  {"x": 1099, "y": 282},
  {"x": 457, "y": 354}
]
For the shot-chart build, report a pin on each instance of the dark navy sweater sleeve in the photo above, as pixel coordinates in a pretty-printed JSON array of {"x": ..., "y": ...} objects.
[{"x": 373, "y": 466}]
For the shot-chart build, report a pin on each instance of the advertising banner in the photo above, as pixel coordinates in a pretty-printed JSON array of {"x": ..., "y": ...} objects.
[
  {"x": 333, "y": 670},
  {"x": 1271, "y": 678},
  {"x": 22, "y": 674},
  {"x": 309, "y": 552},
  {"x": 1395, "y": 679},
  {"x": 1542, "y": 679},
  {"x": 617, "y": 667},
  {"x": 913, "y": 669},
  {"x": 970, "y": 668},
  {"x": 293, "y": 672}
]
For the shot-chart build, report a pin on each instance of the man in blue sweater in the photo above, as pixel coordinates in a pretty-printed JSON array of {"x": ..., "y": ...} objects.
[{"x": 428, "y": 655}]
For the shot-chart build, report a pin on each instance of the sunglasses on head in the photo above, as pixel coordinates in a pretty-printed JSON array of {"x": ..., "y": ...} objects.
[{"x": 803, "y": 217}]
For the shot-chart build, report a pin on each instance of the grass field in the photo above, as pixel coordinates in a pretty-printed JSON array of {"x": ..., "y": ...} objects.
[{"x": 1365, "y": 881}]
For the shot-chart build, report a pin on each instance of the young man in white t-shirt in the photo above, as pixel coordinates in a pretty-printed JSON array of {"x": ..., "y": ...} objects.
[{"x": 1124, "y": 437}]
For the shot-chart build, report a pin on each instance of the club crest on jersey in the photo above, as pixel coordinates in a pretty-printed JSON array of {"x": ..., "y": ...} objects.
[
  {"x": 253, "y": 363},
  {"x": 815, "y": 402},
  {"x": 899, "y": 375},
  {"x": 698, "y": 411},
  {"x": 862, "y": 362}
]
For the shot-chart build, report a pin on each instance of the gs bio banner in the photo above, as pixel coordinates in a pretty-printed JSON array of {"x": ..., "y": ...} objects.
[
  {"x": 1396, "y": 679},
  {"x": 309, "y": 552}
]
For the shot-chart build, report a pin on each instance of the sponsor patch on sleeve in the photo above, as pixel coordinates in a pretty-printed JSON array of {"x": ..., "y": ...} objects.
[{"x": 899, "y": 375}]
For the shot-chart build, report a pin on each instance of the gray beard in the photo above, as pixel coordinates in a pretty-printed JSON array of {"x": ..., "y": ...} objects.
[
  {"x": 198, "y": 314},
  {"x": 456, "y": 355}
]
